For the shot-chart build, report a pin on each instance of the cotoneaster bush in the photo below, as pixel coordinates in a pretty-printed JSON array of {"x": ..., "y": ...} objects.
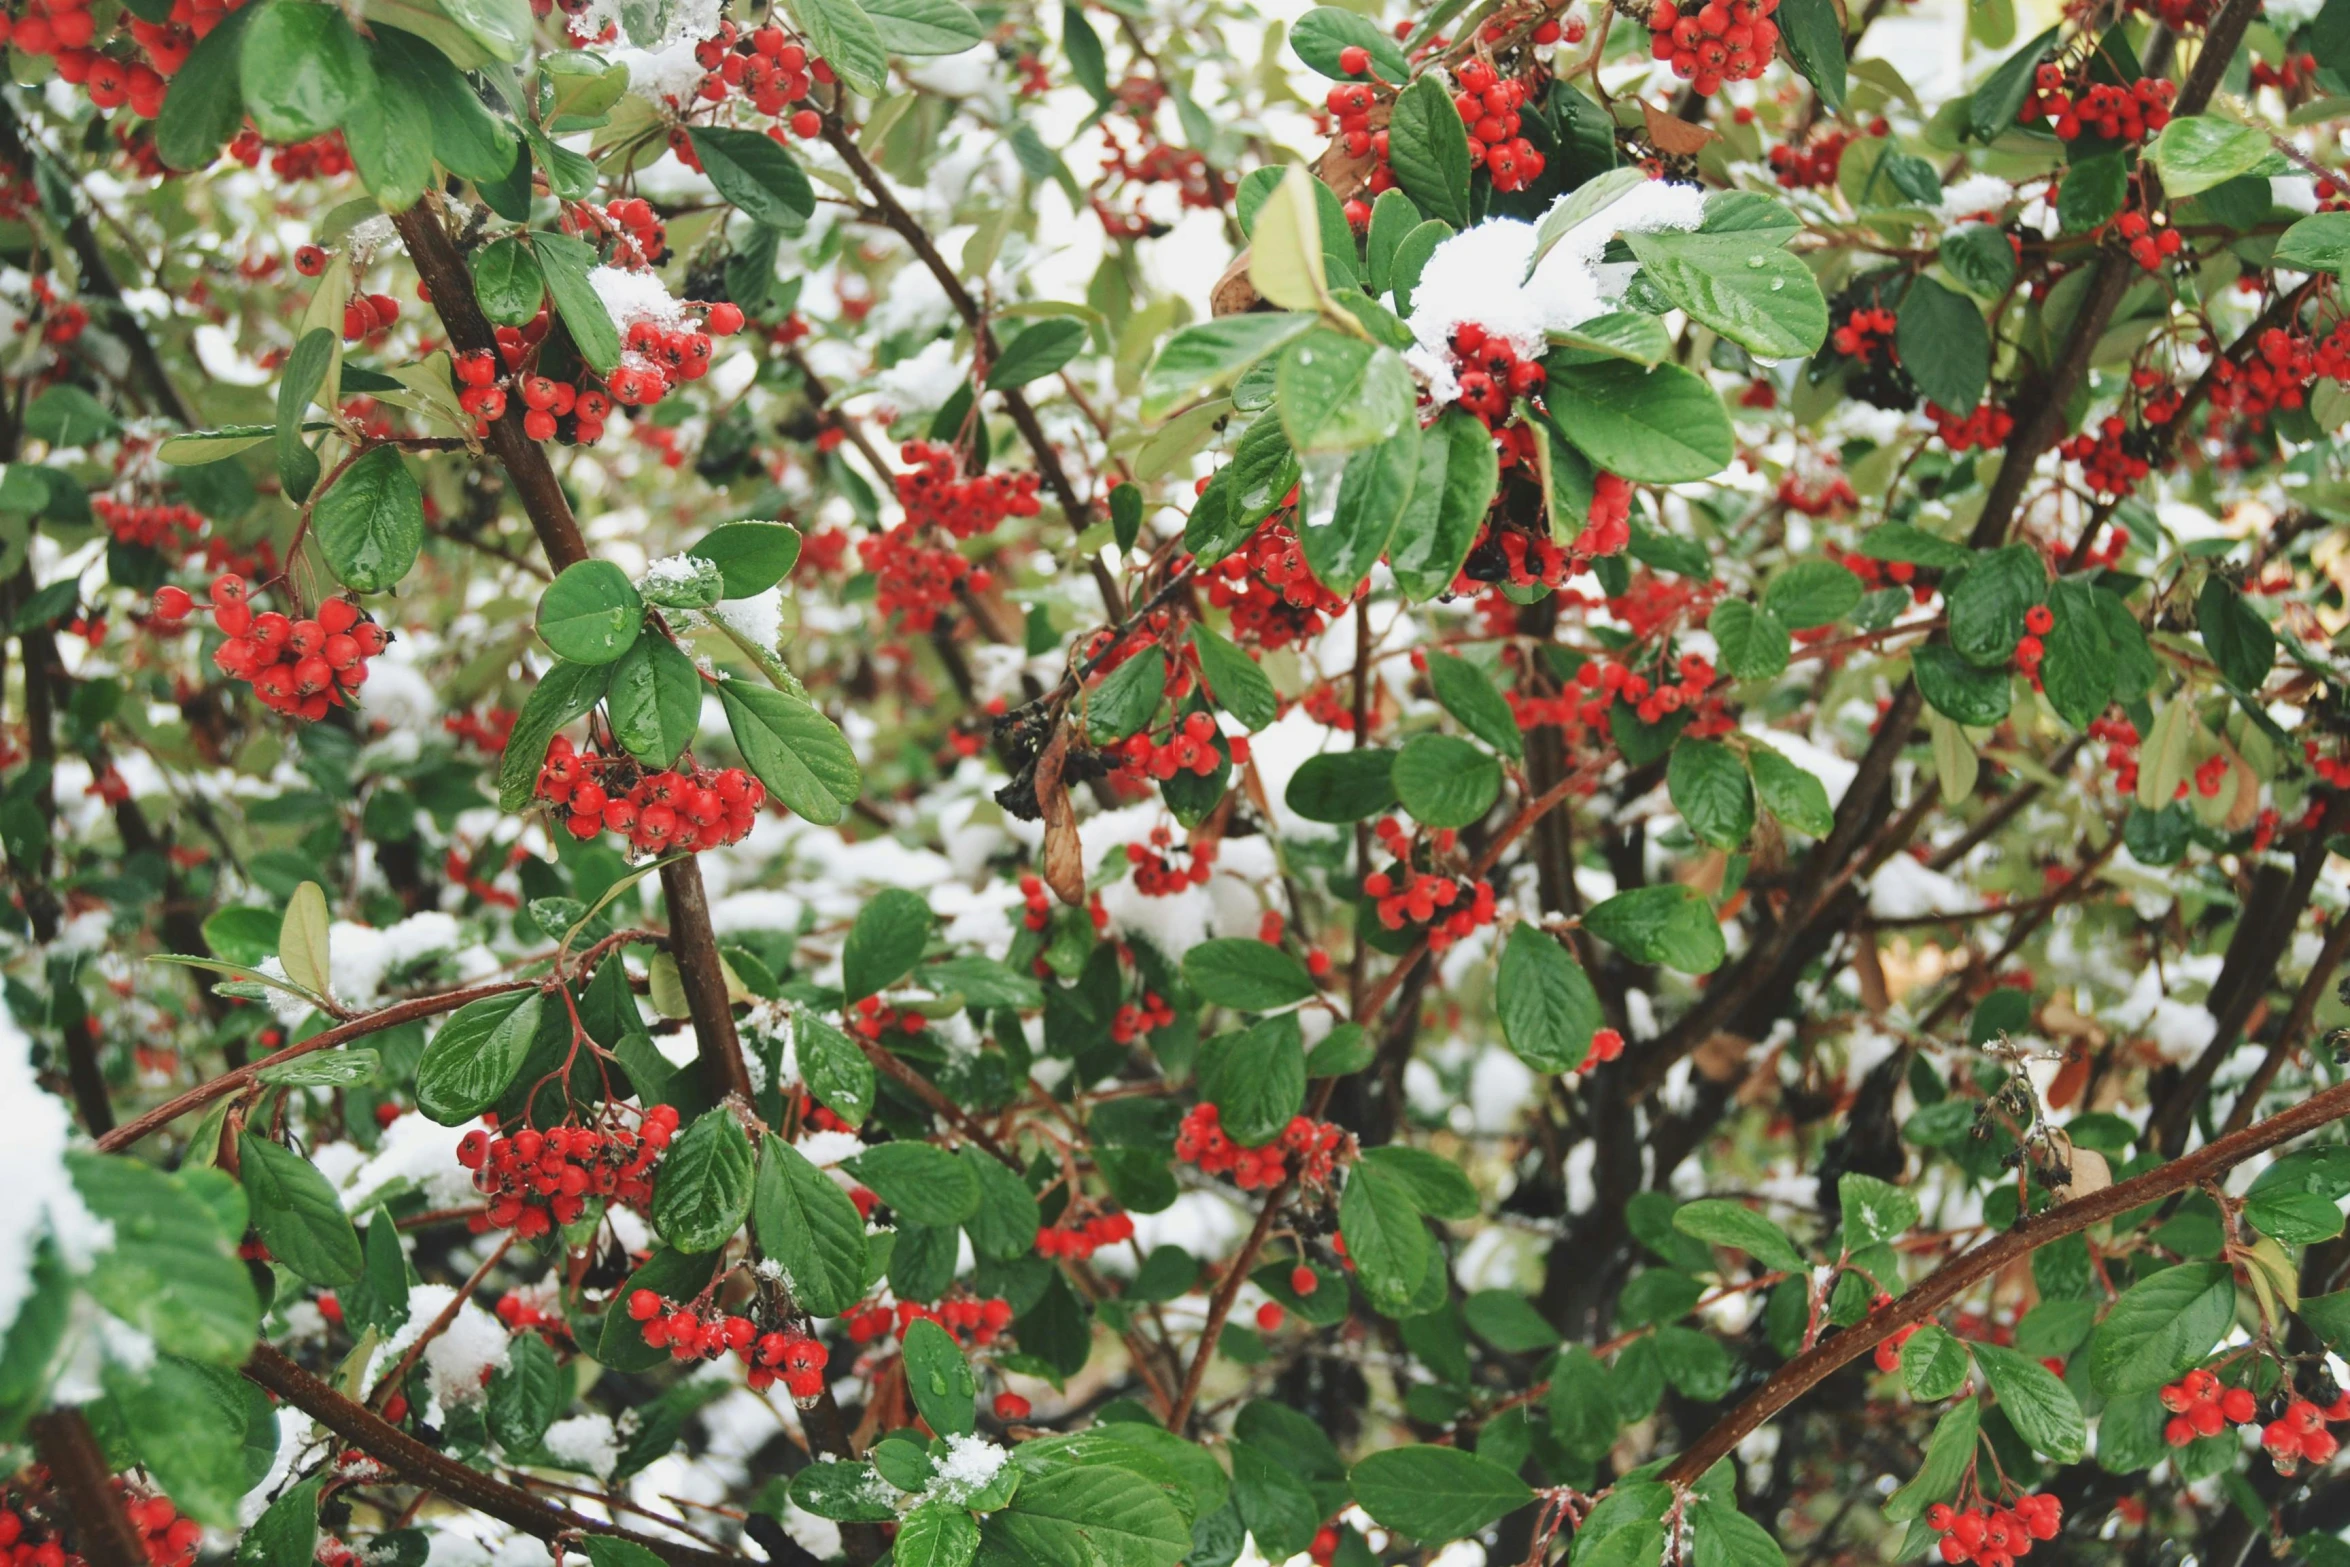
[{"x": 1109, "y": 785}]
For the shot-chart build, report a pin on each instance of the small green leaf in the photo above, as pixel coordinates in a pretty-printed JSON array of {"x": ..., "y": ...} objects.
[{"x": 590, "y": 614}]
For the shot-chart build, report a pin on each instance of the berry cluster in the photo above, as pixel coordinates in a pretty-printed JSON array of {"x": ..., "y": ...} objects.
[
  {"x": 1719, "y": 41},
  {"x": 2299, "y": 1434},
  {"x": 1651, "y": 700},
  {"x": 971, "y": 1321},
  {"x": 538, "y": 1180},
  {"x": 1830, "y": 492},
  {"x": 2099, "y": 109},
  {"x": 1275, "y": 599},
  {"x": 521, "y": 1314},
  {"x": 1864, "y": 332},
  {"x": 1132, "y": 170},
  {"x": 1488, "y": 103},
  {"x": 2335, "y": 770},
  {"x": 67, "y": 32},
  {"x": 1490, "y": 374},
  {"x": 297, "y": 667},
  {"x": 1508, "y": 555},
  {"x": 639, "y": 237},
  {"x": 1875, "y": 574},
  {"x": 1154, "y": 877},
  {"x": 1315, "y": 1145},
  {"x": 1189, "y": 747},
  {"x": 2111, "y": 459},
  {"x": 369, "y": 316},
  {"x": 1995, "y": 1536},
  {"x": 2199, "y": 1406},
  {"x": 321, "y": 157},
  {"x": 913, "y": 580},
  {"x": 1405, "y": 896},
  {"x": 696, "y": 1332},
  {"x": 1986, "y": 429},
  {"x": 156, "y": 527},
  {"x": 1134, "y": 1019},
  {"x": 1078, "y": 1242},
  {"x": 1350, "y": 104},
  {"x": 1812, "y": 165},
  {"x": 2039, "y": 620},
  {"x": 768, "y": 69},
  {"x": 2150, "y": 245},
  {"x": 547, "y": 402},
  {"x": 2294, "y": 73},
  {"x": 934, "y": 492},
  {"x": 2279, "y": 372},
  {"x": 2120, "y": 738},
  {"x": 700, "y": 808},
  {"x": 1607, "y": 524},
  {"x": 872, "y": 1018}
]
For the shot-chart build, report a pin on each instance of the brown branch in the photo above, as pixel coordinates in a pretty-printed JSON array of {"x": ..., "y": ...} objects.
[
  {"x": 1807, "y": 1370},
  {"x": 419, "y": 1465},
  {"x": 103, "y": 1534},
  {"x": 2296, "y": 1027},
  {"x": 1220, "y": 1306}
]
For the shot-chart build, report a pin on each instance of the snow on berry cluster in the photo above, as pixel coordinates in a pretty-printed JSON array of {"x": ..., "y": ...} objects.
[
  {"x": 697, "y": 1330},
  {"x": 2107, "y": 111},
  {"x": 1156, "y": 877},
  {"x": 936, "y": 493},
  {"x": 537, "y": 1181},
  {"x": 662, "y": 346},
  {"x": 1308, "y": 1149},
  {"x": 1078, "y": 1242},
  {"x": 1995, "y": 1536},
  {"x": 1719, "y": 41},
  {"x": 297, "y": 667}
]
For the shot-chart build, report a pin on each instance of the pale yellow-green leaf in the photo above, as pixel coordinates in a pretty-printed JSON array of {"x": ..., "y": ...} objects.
[
  {"x": 1956, "y": 761},
  {"x": 668, "y": 987},
  {"x": 302, "y": 940},
  {"x": 1285, "y": 252},
  {"x": 325, "y": 310},
  {"x": 2164, "y": 758}
]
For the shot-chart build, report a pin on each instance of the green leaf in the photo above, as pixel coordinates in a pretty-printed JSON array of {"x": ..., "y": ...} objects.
[
  {"x": 1944, "y": 344},
  {"x": 475, "y": 1057},
  {"x": 1797, "y": 798},
  {"x": 1652, "y": 426},
  {"x": 172, "y": 1272},
  {"x": 797, "y": 752},
  {"x": 1933, "y": 1364},
  {"x": 836, "y": 1071},
  {"x": 1274, "y": 1503},
  {"x": 1323, "y": 33},
  {"x": 206, "y": 104},
  {"x": 1957, "y": 689},
  {"x": 1286, "y": 260},
  {"x": 756, "y": 175},
  {"x": 389, "y": 135},
  {"x": 1548, "y": 1008},
  {"x": 806, "y": 1223},
  {"x": 302, "y": 70},
  {"x": 1582, "y": 1409},
  {"x": 2161, "y": 1326},
  {"x": 1094, "y": 1514},
  {"x": 302, "y": 940},
  {"x": 566, "y": 262},
  {"x": 243, "y": 934},
  {"x": 845, "y": 36},
  {"x": 1037, "y": 352},
  {"x": 1341, "y": 394},
  {"x": 922, "y": 1183},
  {"x": 923, "y": 28},
  {"x": 2195, "y": 152},
  {"x": 2320, "y": 243},
  {"x": 1125, "y": 699},
  {"x": 187, "y": 1423},
  {"x": 1873, "y": 1210},
  {"x": 1744, "y": 285},
  {"x": 1458, "y": 476},
  {"x": 1083, "y": 46},
  {"x": 1814, "y": 34},
  {"x": 939, "y": 1379},
  {"x": 2077, "y": 673},
  {"x": 1004, "y": 1228},
  {"x": 704, "y": 1188},
  {"x": 562, "y": 694},
  {"x": 1234, "y": 680},
  {"x": 466, "y": 138},
  {"x": 673, "y": 1276},
  {"x": 1988, "y": 603},
  {"x": 590, "y": 614},
  {"x": 1428, "y": 150},
  {"x": 935, "y": 1534},
  {"x": 848, "y": 1492},
  {"x": 885, "y": 943},
  {"x": 1256, "y": 1079},
  {"x": 1719, "y": 1534},
  {"x": 1342, "y": 786},
  {"x": 751, "y": 557},
  {"x": 507, "y": 281},
  {"x": 1948, "y": 1453},
  {"x": 1992, "y": 110},
  {"x": 1981, "y": 259},
  {"x": 1208, "y": 356},
  {"x": 1710, "y": 789},
  {"x": 2235, "y": 636},
  {"x": 1243, "y": 493},
  {"x": 526, "y": 1394},
  {"x": 1435, "y": 1493},
  {"x": 1470, "y": 697},
  {"x": 2039, "y": 1405},
  {"x": 2094, "y": 189},
  {"x": 286, "y": 1535},
  {"x": 1384, "y": 1236},
  {"x": 298, "y": 1215},
  {"x": 1754, "y": 643},
  {"x": 1673, "y": 925},
  {"x": 1738, "y": 1226},
  {"x": 306, "y": 372},
  {"x": 1246, "y": 975},
  {"x": 1811, "y": 593},
  {"x": 1444, "y": 781},
  {"x": 370, "y": 525},
  {"x": 1435, "y": 1185},
  {"x": 655, "y": 701}
]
